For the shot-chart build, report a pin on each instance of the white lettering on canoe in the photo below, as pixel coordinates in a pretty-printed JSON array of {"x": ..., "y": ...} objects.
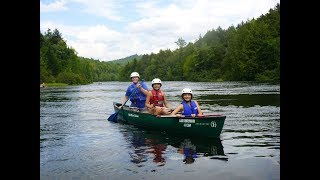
[
  {"x": 187, "y": 120},
  {"x": 187, "y": 125},
  {"x": 213, "y": 124},
  {"x": 203, "y": 124},
  {"x": 133, "y": 115}
]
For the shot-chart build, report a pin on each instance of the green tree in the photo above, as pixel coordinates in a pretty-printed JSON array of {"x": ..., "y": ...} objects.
[{"x": 181, "y": 43}]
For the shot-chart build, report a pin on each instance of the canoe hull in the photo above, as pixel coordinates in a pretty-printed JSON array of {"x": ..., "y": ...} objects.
[{"x": 207, "y": 126}]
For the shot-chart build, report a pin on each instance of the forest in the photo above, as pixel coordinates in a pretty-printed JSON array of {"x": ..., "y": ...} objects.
[{"x": 249, "y": 51}]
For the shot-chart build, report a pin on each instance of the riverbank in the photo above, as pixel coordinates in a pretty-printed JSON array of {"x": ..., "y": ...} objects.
[{"x": 55, "y": 84}]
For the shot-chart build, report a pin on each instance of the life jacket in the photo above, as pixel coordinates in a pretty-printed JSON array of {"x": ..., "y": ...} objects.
[
  {"x": 157, "y": 98},
  {"x": 189, "y": 152},
  {"x": 187, "y": 110},
  {"x": 138, "y": 98}
]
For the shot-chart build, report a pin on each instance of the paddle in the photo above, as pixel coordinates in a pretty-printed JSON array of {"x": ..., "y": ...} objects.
[{"x": 114, "y": 116}]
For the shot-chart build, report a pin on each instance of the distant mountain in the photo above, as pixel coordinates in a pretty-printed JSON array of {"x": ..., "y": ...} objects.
[{"x": 126, "y": 59}]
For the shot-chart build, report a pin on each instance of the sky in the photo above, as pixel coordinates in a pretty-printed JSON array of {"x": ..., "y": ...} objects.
[{"x": 107, "y": 30}]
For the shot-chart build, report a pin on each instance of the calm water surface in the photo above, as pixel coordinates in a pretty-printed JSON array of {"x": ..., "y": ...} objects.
[{"x": 77, "y": 141}]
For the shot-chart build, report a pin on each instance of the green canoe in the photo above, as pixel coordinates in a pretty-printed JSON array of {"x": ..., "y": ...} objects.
[{"x": 205, "y": 126}]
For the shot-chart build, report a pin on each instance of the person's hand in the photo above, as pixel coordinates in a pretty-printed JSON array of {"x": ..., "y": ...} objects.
[
  {"x": 139, "y": 85},
  {"x": 193, "y": 115}
]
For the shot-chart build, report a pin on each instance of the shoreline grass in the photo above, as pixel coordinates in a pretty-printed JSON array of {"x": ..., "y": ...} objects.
[{"x": 56, "y": 84}]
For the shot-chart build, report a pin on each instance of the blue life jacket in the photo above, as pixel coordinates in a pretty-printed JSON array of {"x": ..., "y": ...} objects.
[
  {"x": 138, "y": 99},
  {"x": 187, "y": 110},
  {"x": 188, "y": 152}
]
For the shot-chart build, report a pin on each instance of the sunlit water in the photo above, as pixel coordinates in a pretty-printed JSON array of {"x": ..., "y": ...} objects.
[{"x": 77, "y": 141}]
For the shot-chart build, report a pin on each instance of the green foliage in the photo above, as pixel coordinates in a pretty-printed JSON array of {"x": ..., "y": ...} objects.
[
  {"x": 249, "y": 51},
  {"x": 56, "y": 84},
  {"x": 181, "y": 43},
  {"x": 125, "y": 60},
  {"x": 268, "y": 76},
  {"x": 59, "y": 63},
  {"x": 70, "y": 78}
]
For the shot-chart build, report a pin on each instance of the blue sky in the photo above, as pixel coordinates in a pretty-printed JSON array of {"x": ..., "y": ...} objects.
[{"x": 114, "y": 29}]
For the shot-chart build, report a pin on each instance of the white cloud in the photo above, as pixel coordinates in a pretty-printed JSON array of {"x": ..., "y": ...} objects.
[
  {"x": 53, "y": 7},
  {"x": 103, "y": 8},
  {"x": 158, "y": 28}
]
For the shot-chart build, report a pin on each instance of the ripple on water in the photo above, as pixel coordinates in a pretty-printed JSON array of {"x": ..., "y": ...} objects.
[{"x": 76, "y": 140}]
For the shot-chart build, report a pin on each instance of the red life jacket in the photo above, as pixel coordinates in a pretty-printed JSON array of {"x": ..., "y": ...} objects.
[{"x": 157, "y": 98}]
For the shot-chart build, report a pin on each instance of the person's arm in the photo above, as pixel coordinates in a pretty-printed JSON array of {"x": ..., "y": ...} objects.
[
  {"x": 143, "y": 88},
  {"x": 165, "y": 101},
  {"x": 148, "y": 105},
  {"x": 179, "y": 108},
  {"x": 125, "y": 98},
  {"x": 199, "y": 109},
  {"x": 126, "y": 95}
]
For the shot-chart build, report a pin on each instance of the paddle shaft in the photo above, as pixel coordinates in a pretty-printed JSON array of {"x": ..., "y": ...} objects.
[{"x": 114, "y": 116}]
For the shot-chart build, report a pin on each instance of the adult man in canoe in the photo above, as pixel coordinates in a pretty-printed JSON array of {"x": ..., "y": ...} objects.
[{"x": 137, "y": 92}]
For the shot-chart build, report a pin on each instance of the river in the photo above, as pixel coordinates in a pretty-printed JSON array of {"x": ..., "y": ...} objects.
[{"x": 77, "y": 141}]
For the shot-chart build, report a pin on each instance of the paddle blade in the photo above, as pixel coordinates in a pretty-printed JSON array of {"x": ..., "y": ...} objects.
[{"x": 114, "y": 117}]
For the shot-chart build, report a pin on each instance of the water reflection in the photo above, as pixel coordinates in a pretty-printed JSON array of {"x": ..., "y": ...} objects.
[
  {"x": 189, "y": 151},
  {"x": 152, "y": 145},
  {"x": 157, "y": 149},
  {"x": 138, "y": 145}
]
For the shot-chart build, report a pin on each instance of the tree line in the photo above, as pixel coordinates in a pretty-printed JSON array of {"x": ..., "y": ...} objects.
[{"x": 249, "y": 51}]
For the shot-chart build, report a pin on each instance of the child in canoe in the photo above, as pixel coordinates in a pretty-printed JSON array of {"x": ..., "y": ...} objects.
[
  {"x": 188, "y": 107},
  {"x": 156, "y": 101}
]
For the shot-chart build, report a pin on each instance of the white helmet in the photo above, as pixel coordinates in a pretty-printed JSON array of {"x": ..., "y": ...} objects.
[
  {"x": 134, "y": 74},
  {"x": 156, "y": 80},
  {"x": 186, "y": 90}
]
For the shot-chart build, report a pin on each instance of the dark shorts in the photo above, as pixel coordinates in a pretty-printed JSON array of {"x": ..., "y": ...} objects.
[{"x": 140, "y": 104}]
